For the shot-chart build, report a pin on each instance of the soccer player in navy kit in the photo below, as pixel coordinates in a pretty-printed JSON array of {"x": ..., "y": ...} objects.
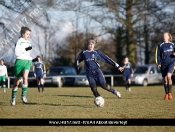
[
  {"x": 39, "y": 72},
  {"x": 92, "y": 67},
  {"x": 165, "y": 61},
  {"x": 127, "y": 73}
]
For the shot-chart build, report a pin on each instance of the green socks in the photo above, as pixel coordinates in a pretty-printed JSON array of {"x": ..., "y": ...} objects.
[
  {"x": 14, "y": 91},
  {"x": 24, "y": 90},
  {"x": 4, "y": 88}
]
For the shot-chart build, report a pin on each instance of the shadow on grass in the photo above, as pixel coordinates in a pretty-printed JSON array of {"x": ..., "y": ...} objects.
[
  {"x": 66, "y": 105},
  {"x": 34, "y": 103},
  {"x": 83, "y": 106},
  {"x": 2, "y": 103},
  {"x": 49, "y": 104},
  {"x": 77, "y": 96},
  {"x": 31, "y": 103}
]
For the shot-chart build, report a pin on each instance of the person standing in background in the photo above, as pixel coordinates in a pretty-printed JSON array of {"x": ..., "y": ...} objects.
[
  {"x": 39, "y": 72},
  {"x": 127, "y": 73},
  {"x": 3, "y": 75}
]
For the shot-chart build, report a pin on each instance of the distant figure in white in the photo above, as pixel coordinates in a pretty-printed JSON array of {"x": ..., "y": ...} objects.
[{"x": 3, "y": 75}]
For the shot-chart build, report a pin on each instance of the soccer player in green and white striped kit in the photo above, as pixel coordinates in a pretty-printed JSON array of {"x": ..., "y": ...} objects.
[
  {"x": 3, "y": 75},
  {"x": 22, "y": 64}
]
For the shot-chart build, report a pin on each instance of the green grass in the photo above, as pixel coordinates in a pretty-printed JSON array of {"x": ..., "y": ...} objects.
[{"x": 72, "y": 102}]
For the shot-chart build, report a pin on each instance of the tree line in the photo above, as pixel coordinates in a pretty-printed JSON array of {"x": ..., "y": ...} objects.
[{"x": 133, "y": 28}]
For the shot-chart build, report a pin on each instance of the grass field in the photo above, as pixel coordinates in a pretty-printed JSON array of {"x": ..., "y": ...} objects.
[{"x": 72, "y": 102}]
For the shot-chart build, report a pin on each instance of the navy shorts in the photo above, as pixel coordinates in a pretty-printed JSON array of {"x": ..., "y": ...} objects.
[
  {"x": 167, "y": 68},
  {"x": 126, "y": 77},
  {"x": 39, "y": 77},
  {"x": 95, "y": 76}
]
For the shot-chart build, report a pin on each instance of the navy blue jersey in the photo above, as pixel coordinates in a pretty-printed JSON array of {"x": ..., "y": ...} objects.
[
  {"x": 165, "y": 53},
  {"x": 39, "y": 68},
  {"x": 128, "y": 68},
  {"x": 91, "y": 59}
]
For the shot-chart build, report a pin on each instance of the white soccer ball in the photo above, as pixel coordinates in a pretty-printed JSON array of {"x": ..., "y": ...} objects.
[{"x": 99, "y": 101}]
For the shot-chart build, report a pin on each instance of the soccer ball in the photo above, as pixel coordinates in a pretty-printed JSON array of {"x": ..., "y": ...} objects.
[{"x": 99, "y": 101}]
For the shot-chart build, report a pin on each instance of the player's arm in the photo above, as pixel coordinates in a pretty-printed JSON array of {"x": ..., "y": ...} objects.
[
  {"x": 44, "y": 70},
  {"x": 6, "y": 73},
  {"x": 158, "y": 56},
  {"x": 131, "y": 70},
  {"x": 35, "y": 59},
  {"x": 19, "y": 49},
  {"x": 34, "y": 70},
  {"x": 123, "y": 65},
  {"x": 174, "y": 49},
  {"x": 78, "y": 60},
  {"x": 108, "y": 60}
]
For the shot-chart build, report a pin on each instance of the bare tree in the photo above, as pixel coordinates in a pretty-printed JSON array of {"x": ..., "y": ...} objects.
[
  {"x": 114, "y": 17},
  {"x": 32, "y": 14}
]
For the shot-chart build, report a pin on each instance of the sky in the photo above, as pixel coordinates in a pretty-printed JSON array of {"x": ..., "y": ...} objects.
[
  {"x": 12, "y": 21},
  {"x": 62, "y": 23}
]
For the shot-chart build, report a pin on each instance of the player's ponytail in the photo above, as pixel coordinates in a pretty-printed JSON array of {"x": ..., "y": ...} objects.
[
  {"x": 96, "y": 40},
  {"x": 170, "y": 37}
]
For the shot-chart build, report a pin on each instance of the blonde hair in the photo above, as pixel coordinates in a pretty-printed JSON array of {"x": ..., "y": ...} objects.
[
  {"x": 96, "y": 40},
  {"x": 170, "y": 37}
]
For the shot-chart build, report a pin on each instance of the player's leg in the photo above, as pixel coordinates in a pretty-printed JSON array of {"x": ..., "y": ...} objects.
[
  {"x": 1, "y": 80},
  {"x": 164, "y": 75},
  {"x": 4, "y": 84},
  {"x": 38, "y": 82},
  {"x": 24, "y": 86},
  {"x": 110, "y": 89},
  {"x": 165, "y": 87},
  {"x": 14, "y": 90},
  {"x": 104, "y": 85},
  {"x": 169, "y": 74},
  {"x": 92, "y": 84},
  {"x": 18, "y": 72},
  {"x": 129, "y": 84},
  {"x": 126, "y": 82},
  {"x": 26, "y": 66},
  {"x": 170, "y": 97},
  {"x": 42, "y": 84},
  {"x": 94, "y": 90}
]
